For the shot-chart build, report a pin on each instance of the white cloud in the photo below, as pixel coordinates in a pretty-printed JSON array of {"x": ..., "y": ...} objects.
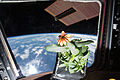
[
  {"x": 26, "y": 55},
  {"x": 15, "y": 50},
  {"x": 22, "y": 46},
  {"x": 37, "y": 47},
  {"x": 38, "y": 52},
  {"x": 33, "y": 67},
  {"x": 18, "y": 54}
]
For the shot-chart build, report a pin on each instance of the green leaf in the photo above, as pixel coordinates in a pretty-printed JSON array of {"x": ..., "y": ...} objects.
[
  {"x": 76, "y": 68},
  {"x": 86, "y": 56},
  {"x": 80, "y": 57},
  {"x": 71, "y": 70},
  {"x": 76, "y": 40},
  {"x": 77, "y": 58},
  {"x": 62, "y": 65},
  {"x": 80, "y": 52},
  {"x": 80, "y": 68},
  {"x": 84, "y": 48},
  {"x": 55, "y": 48},
  {"x": 83, "y": 43},
  {"x": 72, "y": 58},
  {"x": 82, "y": 71},
  {"x": 71, "y": 65},
  {"x": 66, "y": 68},
  {"x": 72, "y": 48}
]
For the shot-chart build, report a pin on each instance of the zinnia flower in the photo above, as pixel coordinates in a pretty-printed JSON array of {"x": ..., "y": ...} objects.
[{"x": 63, "y": 38}]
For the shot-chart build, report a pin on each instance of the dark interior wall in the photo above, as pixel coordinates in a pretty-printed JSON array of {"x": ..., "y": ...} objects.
[{"x": 30, "y": 18}]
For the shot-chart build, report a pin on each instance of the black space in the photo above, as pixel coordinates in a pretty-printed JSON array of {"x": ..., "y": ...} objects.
[{"x": 31, "y": 18}]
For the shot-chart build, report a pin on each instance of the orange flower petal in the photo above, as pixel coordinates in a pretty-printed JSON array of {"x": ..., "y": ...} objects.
[
  {"x": 67, "y": 36},
  {"x": 64, "y": 42},
  {"x": 62, "y": 33},
  {"x": 67, "y": 40},
  {"x": 58, "y": 41},
  {"x": 63, "y": 38},
  {"x": 61, "y": 43}
]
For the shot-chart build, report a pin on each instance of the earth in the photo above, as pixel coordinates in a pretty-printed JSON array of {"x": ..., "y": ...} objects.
[{"x": 34, "y": 59}]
